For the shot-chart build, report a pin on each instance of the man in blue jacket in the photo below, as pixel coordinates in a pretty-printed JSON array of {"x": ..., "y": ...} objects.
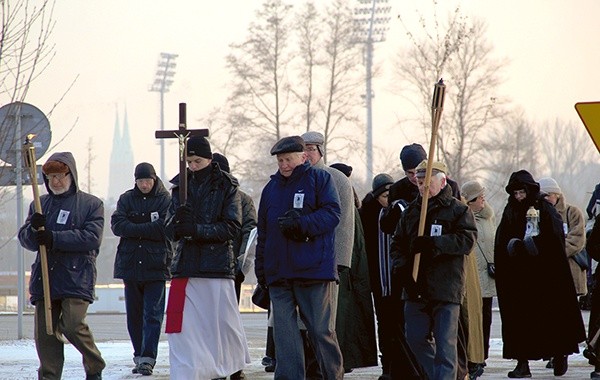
[
  {"x": 73, "y": 221},
  {"x": 298, "y": 212},
  {"x": 142, "y": 261}
]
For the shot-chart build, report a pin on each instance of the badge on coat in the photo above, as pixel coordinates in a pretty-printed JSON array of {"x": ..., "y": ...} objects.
[
  {"x": 299, "y": 200},
  {"x": 436, "y": 230},
  {"x": 63, "y": 215},
  {"x": 153, "y": 216}
]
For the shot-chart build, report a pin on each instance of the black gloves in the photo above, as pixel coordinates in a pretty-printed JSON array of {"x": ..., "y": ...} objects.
[
  {"x": 138, "y": 218},
  {"x": 183, "y": 230},
  {"x": 44, "y": 237},
  {"x": 517, "y": 247},
  {"x": 424, "y": 245},
  {"x": 37, "y": 220},
  {"x": 184, "y": 214},
  {"x": 290, "y": 226}
]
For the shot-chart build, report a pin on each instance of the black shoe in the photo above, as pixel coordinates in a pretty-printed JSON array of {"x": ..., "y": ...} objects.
[
  {"x": 135, "y": 369},
  {"x": 94, "y": 376},
  {"x": 145, "y": 369},
  {"x": 271, "y": 367},
  {"x": 385, "y": 376},
  {"x": 475, "y": 370},
  {"x": 520, "y": 371},
  {"x": 550, "y": 364},
  {"x": 561, "y": 364},
  {"x": 239, "y": 375},
  {"x": 595, "y": 375}
]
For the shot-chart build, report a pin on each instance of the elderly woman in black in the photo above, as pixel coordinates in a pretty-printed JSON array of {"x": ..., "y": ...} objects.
[{"x": 534, "y": 281}]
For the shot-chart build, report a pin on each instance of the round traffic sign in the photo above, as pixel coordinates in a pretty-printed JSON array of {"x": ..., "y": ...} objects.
[{"x": 32, "y": 121}]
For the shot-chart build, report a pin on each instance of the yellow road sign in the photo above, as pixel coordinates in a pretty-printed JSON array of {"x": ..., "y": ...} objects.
[{"x": 589, "y": 112}]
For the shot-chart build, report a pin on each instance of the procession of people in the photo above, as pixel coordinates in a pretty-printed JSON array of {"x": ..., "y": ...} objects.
[{"x": 410, "y": 271}]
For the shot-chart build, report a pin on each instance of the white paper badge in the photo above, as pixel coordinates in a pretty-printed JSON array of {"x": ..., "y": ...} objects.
[
  {"x": 436, "y": 230},
  {"x": 63, "y": 215},
  {"x": 565, "y": 228},
  {"x": 298, "y": 200},
  {"x": 154, "y": 216}
]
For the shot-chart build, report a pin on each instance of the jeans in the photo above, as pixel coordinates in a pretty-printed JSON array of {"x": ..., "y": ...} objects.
[
  {"x": 145, "y": 305},
  {"x": 68, "y": 319},
  {"x": 313, "y": 302},
  {"x": 431, "y": 331}
]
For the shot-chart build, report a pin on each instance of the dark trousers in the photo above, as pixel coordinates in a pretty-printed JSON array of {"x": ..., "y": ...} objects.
[
  {"x": 390, "y": 328},
  {"x": 145, "y": 305},
  {"x": 68, "y": 320},
  {"x": 487, "y": 324}
]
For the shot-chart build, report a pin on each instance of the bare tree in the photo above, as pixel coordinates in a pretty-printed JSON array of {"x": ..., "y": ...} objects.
[
  {"x": 460, "y": 53},
  {"x": 259, "y": 67},
  {"x": 510, "y": 145},
  {"x": 568, "y": 152},
  {"x": 342, "y": 61}
]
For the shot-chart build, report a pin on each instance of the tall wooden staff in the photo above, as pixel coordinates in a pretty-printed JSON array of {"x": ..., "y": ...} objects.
[
  {"x": 437, "y": 105},
  {"x": 30, "y": 161}
]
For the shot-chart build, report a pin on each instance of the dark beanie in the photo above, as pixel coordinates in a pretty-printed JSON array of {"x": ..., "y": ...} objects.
[
  {"x": 381, "y": 183},
  {"x": 222, "y": 161},
  {"x": 411, "y": 156},
  {"x": 199, "y": 146},
  {"x": 144, "y": 170},
  {"x": 346, "y": 169}
]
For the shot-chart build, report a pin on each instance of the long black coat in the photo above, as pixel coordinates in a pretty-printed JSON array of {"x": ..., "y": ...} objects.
[{"x": 536, "y": 295}]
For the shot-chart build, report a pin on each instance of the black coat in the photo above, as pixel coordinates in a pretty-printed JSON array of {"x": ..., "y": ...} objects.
[
  {"x": 536, "y": 294},
  {"x": 144, "y": 252},
  {"x": 215, "y": 201},
  {"x": 441, "y": 274}
]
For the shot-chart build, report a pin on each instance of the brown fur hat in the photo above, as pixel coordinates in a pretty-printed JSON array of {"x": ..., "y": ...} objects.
[{"x": 51, "y": 167}]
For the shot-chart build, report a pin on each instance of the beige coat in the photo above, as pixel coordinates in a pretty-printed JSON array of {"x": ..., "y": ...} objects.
[
  {"x": 574, "y": 241},
  {"x": 473, "y": 304},
  {"x": 486, "y": 231}
]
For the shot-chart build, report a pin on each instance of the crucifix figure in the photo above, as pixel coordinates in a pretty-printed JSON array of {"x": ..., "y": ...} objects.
[{"x": 182, "y": 134}]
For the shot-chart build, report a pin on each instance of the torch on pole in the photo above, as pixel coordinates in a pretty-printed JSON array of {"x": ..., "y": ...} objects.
[
  {"x": 30, "y": 162},
  {"x": 437, "y": 106}
]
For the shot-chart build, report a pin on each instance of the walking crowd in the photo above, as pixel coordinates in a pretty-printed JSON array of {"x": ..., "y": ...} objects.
[{"x": 404, "y": 277}]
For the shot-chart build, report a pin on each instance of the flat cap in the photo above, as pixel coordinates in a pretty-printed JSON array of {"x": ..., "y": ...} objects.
[
  {"x": 437, "y": 167},
  {"x": 313, "y": 138},
  {"x": 288, "y": 145}
]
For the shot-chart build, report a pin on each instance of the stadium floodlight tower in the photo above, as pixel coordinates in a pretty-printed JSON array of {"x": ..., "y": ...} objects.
[
  {"x": 371, "y": 18},
  {"x": 162, "y": 82}
]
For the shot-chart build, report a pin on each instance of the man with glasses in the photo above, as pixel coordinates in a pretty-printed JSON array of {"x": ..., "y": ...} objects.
[
  {"x": 142, "y": 261},
  {"x": 73, "y": 222}
]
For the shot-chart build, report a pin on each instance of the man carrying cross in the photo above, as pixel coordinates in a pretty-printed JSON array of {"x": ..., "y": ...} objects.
[{"x": 206, "y": 337}]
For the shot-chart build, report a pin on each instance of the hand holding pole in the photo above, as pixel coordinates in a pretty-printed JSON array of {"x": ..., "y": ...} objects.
[{"x": 30, "y": 161}]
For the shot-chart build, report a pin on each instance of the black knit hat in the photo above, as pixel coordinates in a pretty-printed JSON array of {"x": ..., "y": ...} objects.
[
  {"x": 144, "y": 170},
  {"x": 199, "y": 146},
  {"x": 222, "y": 161},
  {"x": 381, "y": 183},
  {"x": 346, "y": 169},
  {"x": 411, "y": 156}
]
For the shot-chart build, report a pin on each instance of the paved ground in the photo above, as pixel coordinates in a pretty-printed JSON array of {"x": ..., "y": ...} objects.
[{"x": 110, "y": 331}]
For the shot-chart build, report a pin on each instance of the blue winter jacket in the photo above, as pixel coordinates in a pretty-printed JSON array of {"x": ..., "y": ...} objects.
[
  {"x": 76, "y": 220},
  {"x": 279, "y": 258}
]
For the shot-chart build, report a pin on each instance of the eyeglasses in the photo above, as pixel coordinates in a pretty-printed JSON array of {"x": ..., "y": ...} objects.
[
  {"x": 58, "y": 176},
  {"x": 310, "y": 149}
]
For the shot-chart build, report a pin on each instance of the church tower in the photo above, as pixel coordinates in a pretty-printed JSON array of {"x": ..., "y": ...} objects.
[{"x": 121, "y": 162}]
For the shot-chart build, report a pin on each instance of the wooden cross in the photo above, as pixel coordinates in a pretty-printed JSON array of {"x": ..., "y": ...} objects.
[{"x": 182, "y": 134}]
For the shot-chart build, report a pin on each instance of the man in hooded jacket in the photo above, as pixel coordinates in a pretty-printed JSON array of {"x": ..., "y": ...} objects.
[
  {"x": 536, "y": 294},
  {"x": 73, "y": 222},
  {"x": 142, "y": 261}
]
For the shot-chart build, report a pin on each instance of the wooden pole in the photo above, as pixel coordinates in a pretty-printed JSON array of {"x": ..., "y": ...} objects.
[
  {"x": 437, "y": 105},
  {"x": 30, "y": 161}
]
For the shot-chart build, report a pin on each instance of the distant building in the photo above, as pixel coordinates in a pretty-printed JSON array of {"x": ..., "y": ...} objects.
[{"x": 120, "y": 176}]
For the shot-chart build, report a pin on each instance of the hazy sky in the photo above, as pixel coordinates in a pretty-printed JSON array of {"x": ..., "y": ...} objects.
[{"x": 114, "y": 46}]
